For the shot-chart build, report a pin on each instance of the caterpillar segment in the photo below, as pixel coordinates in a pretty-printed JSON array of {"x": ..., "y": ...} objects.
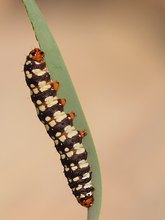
[{"x": 59, "y": 126}]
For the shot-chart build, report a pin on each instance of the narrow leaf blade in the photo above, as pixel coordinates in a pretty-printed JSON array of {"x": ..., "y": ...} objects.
[{"x": 59, "y": 72}]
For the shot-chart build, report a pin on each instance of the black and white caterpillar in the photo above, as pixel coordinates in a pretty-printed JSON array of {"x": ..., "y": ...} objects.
[{"x": 59, "y": 126}]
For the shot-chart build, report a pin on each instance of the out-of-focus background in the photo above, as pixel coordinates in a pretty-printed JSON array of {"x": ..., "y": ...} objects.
[{"x": 114, "y": 51}]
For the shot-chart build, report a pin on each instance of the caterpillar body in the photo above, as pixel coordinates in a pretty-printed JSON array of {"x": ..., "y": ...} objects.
[{"x": 59, "y": 126}]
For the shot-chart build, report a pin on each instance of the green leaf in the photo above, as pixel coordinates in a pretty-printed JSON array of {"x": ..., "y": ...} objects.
[{"x": 59, "y": 72}]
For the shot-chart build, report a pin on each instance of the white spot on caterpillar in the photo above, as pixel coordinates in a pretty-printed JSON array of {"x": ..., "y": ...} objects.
[
  {"x": 77, "y": 146},
  {"x": 52, "y": 123},
  {"x": 69, "y": 154},
  {"x": 80, "y": 150},
  {"x": 71, "y": 131},
  {"x": 66, "y": 169},
  {"x": 41, "y": 84},
  {"x": 39, "y": 72},
  {"x": 42, "y": 108},
  {"x": 62, "y": 138},
  {"x": 50, "y": 101},
  {"x": 63, "y": 156},
  {"x": 38, "y": 102},
  {"x": 28, "y": 74},
  {"x": 58, "y": 134},
  {"x": 59, "y": 116},
  {"x": 72, "y": 134},
  {"x": 53, "y": 137},
  {"x": 44, "y": 88},
  {"x": 67, "y": 128},
  {"x": 32, "y": 86},
  {"x": 28, "y": 62},
  {"x": 76, "y": 179},
  {"x": 86, "y": 175},
  {"x": 79, "y": 187},
  {"x": 70, "y": 180},
  {"x": 35, "y": 90},
  {"x": 88, "y": 185},
  {"x": 56, "y": 113},
  {"x": 81, "y": 196},
  {"x": 89, "y": 194},
  {"x": 66, "y": 149},
  {"x": 56, "y": 142},
  {"x": 74, "y": 168},
  {"x": 47, "y": 118},
  {"x": 83, "y": 163}
]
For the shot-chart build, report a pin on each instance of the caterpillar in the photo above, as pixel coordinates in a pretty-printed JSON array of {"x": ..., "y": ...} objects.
[{"x": 59, "y": 126}]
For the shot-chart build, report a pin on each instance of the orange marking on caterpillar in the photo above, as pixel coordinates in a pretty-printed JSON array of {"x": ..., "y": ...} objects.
[
  {"x": 56, "y": 85},
  {"x": 63, "y": 101},
  {"x": 83, "y": 133},
  {"x": 87, "y": 202},
  {"x": 72, "y": 115}
]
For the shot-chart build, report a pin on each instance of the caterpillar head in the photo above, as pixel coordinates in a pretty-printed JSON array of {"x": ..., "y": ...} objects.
[{"x": 37, "y": 55}]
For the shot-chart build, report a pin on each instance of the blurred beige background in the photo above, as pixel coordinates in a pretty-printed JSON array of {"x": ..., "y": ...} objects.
[{"x": 114, "y": 51}]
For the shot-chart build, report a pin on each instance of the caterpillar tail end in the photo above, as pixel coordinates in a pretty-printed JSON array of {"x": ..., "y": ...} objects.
[{"x": 86, "y": 202}]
